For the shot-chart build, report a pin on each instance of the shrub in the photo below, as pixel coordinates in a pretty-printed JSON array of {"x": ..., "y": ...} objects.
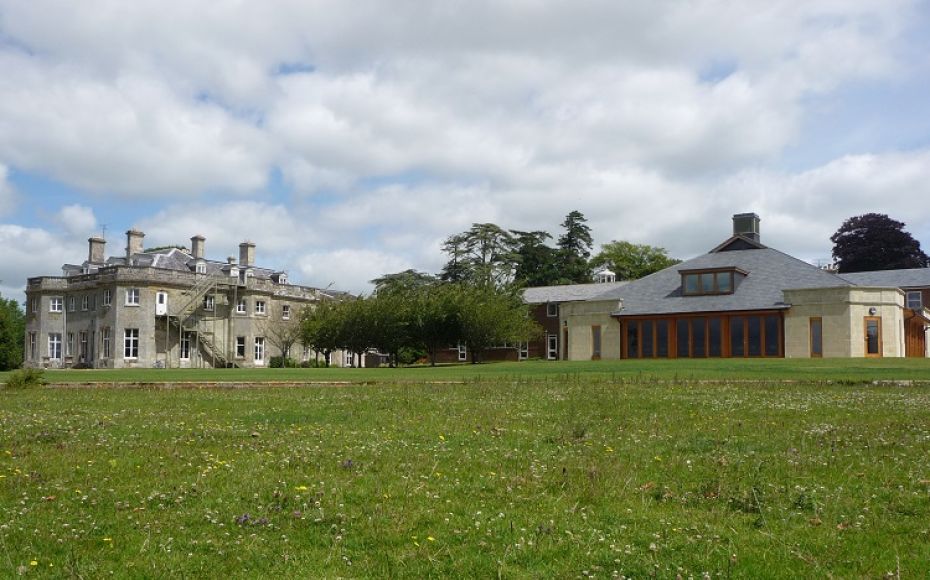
[
  {"x": 280, "y": 362},
  {"x": 25, "y": 379},
  {"x": 313, "y": 364}
]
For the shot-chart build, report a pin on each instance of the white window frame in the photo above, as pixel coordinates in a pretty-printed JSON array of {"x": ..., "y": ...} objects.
[
  {"x": 71, "y": 304},
  {"x": 209, "y": 302},
  {"x": 463, "y": 352},
  {"x": 85, "y": 302},
  {"x": 552, "y": 309},
  {"x": 131, "y": 343},
  {"x": 32, "y": 345},
  {"x": 106, "y": 342},
  {"x": 56, "y": 304},
  {"x": 241, "y": 306},
  {"x": 69, "y": 346},
  {"x": 107, "y": 297},
  {"x": 552, "y": 346},
  {"x": 35, "y": 305},
  {"x": 524, "y": 351},
  {"x": 54, "y": 346},
  {"x": 82, "y": 344},
  {"x": 285, "y": 312},
  {"x": 914, "y": 304},
  {"x": 133, "y": 297},
  {"x": 185, "y": 346},
  {"x": 259, "y": 352},
  {"x": 200, "y": 268},
  {"x": 240, "y": 347},
  {"x": 260, "y": 307}
]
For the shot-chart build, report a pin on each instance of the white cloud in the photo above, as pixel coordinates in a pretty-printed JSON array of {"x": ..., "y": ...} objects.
[
  {"x": 7, "y": 193},
  {"x": 32, "y": 252},
  {"x": 77, "y": 220},
  {"x": 349, "y": 268}
]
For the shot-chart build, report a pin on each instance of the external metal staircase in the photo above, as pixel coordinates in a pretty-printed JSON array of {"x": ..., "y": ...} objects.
[{"x": 189, "y": 317}]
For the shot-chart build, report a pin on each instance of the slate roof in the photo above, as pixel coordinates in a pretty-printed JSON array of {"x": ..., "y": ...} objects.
[
  {"x": 569, "y": 292},
  {"x": 179, "y": 260},
  {"x": 910, "y": 278},
  {"x": 769, "y": 273}
]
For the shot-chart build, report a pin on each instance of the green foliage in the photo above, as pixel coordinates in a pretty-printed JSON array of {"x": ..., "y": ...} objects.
[
  {"x": 537, "y": 263},
  {"x": 575, "y": 249},
  {"x": 483, "y": 256},
  {"x": 12, "y": 334},
  {"x": 26, "y": 378},
  {"x": 632, "y": 261},
  {"x": 280, "y": 362},
  {"x": 490, "y": 317},
  {"x": 874, "y": 241}
]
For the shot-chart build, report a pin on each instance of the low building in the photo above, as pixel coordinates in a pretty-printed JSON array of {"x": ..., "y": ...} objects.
[
  {"x": 744, "y": 299},
  {"x": 169, "y": 307}
]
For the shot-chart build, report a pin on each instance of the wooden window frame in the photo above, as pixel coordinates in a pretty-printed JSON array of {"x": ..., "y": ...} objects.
[
  {"x": 715, "y": 291},
  {"x": 865, "y": 336}
]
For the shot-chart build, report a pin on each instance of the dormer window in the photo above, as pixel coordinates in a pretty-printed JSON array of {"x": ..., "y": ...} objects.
[
  {"x": 200, "y": 268},
  {"x": 709, "y": 282}
]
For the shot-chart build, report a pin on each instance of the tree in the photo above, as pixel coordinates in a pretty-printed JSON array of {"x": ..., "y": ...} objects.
[
  {"x": 434, "y": 321},
  {"x": 283, "y": 333},
  {"x": 491, "y": 316},
  {"x": 537, "y": 263},
  {"x": 874, "y": 241},
  {"x": 12, "y": 334},
  {"x": 483, "y": 255},
  {"x": 575, "y": 249},
  {"x": 403, "y": 282},
  {"x": 320, "y": 328},
  {"x": 632, "y": 261}
]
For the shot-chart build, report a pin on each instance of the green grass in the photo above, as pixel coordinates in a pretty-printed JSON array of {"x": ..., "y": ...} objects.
[
  {"x": 541, "y": 475},
  {"x": 719, "y": 369}
]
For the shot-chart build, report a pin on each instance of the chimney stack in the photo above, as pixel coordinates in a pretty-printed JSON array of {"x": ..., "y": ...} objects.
[
  {"x": 747, "y": 225},
  {"x": 197, "y": 247},
  {"x": 95, "y": 250},
  {"x": 133, "y": 242},
  {"x": 246, "y": 254}
]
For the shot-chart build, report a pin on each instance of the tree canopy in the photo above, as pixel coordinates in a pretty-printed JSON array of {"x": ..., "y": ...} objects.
[
  {"x": 575, "y": 248},
  {"x": 632, "y": 261},
  {"x": 874, "y": 241},
  {"x": 12, "y": 333}
]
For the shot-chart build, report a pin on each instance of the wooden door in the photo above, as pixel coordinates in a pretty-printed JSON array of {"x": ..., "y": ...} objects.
[{"x": 915, "y": 338}]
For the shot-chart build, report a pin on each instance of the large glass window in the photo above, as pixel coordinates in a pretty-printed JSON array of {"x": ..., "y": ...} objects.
[
  {"x": 646, "y": 332},
  {"x": 698, "y": 336},
  {"x": 106, "y": 342},
  {"x": 131, "y": 343},
  {"x": 754, "y": 335},
  {"x": 714, "y": 337},
  {"x": 56, "y": 304},
  {"x": 771, "y": 336},
  {"x": 185, "y": 346},
  {"x": 691, "y": 283},
  {"x": 632, "y": 339},
  {"x": 724, "y": 282},
  {"x": 683, "y": 338},
  {"x": 914, "y": 299},
  {"x": 132, "y": 296},
  {"x": 737, "y": 336},
  {"x": 662, "y": 338},
  {"x": 54, "y": 346},
  {"x": 259, "y": 350}
]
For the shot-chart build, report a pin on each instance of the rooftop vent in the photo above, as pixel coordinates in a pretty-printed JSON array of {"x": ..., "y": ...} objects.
[{"x": 747, "y": 225}]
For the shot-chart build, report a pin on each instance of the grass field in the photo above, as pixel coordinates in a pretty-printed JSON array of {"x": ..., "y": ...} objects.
[
  {"x": 847, "y": 370},
  {"x": 543, "y": 474}
]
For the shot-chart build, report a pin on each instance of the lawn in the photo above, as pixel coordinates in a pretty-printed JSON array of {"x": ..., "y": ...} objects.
[
  {"x": 535, "y": 475},
  {"x": 847, "y": 370}
]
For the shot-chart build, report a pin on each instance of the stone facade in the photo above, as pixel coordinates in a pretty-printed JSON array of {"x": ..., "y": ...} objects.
[{"x": 164, "y": 308}]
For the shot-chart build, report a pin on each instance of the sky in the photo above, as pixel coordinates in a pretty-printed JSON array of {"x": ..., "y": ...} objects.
[{"x": 349, "y": 139}]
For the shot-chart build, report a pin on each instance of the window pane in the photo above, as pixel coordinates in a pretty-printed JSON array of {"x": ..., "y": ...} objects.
[
  {"x": 771, "y": 336},
  {"x": 691, "y": 283},
  {"x": 871, "y": 336},
  {"x": 647, "y": 327},
  {"x": 754, "y": 333},
  {"x": 632, "y": 340},
  {"x": 737, "y": 332},
  {"x": 715, "y": 336},
  {"x": 662, "y": 338},
  {"x": 725, "y": 282},
  {"x": 816, "y": 337},
  {"x": 697, "y": 337},
  {"x": 683, "y": 340},
  {"x": 596, "y": 341},
  {"x": 707, "y": 283}
]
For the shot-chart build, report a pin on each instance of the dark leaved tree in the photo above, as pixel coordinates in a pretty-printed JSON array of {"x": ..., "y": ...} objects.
[
  {"x": 874, "y": 241},
  {"x": 574, "y": 249}
]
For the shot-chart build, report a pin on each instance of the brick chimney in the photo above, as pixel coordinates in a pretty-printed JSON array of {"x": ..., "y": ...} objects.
[
  {"x": 246, "y": 254},
  {"x": 133, "y": 242},
  {"x": 747, "y": 225},
  {"x": 95, "y": 250},
  {"x": 197, "y": 247}
]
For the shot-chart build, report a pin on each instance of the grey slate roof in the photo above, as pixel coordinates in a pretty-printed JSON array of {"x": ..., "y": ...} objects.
[
  {"x": 569, "y": 292},
  {"x": 769, "y": 272},
  {"x": 181, "y": 261},
  {"x": 910, "y": 278}
]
